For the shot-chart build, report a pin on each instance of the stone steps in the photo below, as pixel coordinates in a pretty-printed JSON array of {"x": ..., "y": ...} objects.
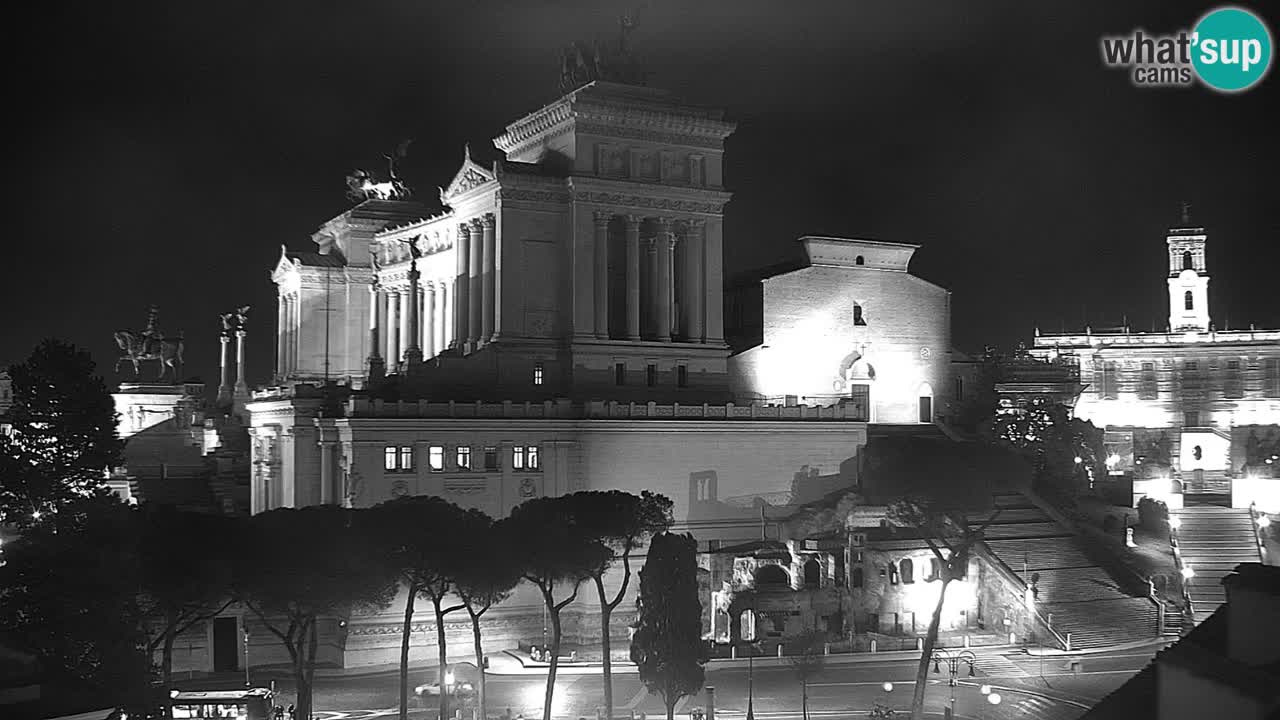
[
  {"x": 1212, "y": 542},
  {"x": 1040, "y": 553}
]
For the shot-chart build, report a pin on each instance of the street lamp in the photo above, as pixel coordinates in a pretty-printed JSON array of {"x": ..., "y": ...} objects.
[{"x": 953, "y": 661}]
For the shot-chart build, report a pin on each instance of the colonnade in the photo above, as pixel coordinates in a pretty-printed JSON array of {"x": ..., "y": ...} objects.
[
  {"x": 671, "y": 279},
  {"x": 290, "y": 321}
]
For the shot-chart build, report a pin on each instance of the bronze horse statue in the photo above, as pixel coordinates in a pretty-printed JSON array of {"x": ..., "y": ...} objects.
[{"x": 137, "y": 347}]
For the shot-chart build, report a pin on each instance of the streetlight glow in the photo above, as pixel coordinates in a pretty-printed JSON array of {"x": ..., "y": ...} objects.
[
  {"x": 994, "y": 698},
  {"x": 888, "y": 687},
  {"x": 985, "y": 689},
  {"x": 1187, "y": 572},
  {"x": 1175, "y": 522},
  {"x": 1264, "y": 521}
]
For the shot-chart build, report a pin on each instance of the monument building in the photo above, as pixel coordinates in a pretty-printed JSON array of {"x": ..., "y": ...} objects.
[{"x": 559, "y": 324}]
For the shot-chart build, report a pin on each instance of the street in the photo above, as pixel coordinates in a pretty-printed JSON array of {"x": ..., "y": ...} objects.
[{"x": 1028, "y": 687}]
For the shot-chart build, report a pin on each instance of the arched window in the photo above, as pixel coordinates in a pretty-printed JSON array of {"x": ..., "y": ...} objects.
[
  {"x": 856, "y": 577},
  {"x": 812, "y": 574},
  {"x": 935, "y": 569},
  {"x": 1186, "y": 300},
  {"x": 772, "y": 576},
  {"x": 1188, "y": 263},
  {"x": 908, "y": 571},
  {"x": 859, "y": 261},
  {"x": 857, "y": 315}
]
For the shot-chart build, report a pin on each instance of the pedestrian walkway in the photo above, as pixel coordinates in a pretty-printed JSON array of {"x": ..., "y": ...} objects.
[{"x": 1212, "y": 541}]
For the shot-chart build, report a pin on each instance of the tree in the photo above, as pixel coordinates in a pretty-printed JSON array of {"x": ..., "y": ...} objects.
[
  {"x": 486, "y": 580},
  {"x": 667, "y": 645},
  {"x": 946, "y": 530},
  {"x": 69, "y": 594},
  {"x": 621, "y": 522},
  {"x": 1059, "y": 446},
  {"x": 553, "y": 551},
  {"x": 305, "y": 564},
  {"x": 807, "y": 661},
  {"x": 420, "y": 535},
  {"x": 186, "y": 561},
  {"x": 62, "y": 437}
]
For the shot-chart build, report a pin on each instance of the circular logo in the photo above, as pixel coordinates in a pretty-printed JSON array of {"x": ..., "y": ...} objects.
[{"x": 1231, "y": 49}]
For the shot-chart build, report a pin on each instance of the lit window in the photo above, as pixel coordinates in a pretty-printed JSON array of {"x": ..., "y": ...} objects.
[
  {"x": 524, "y": 457},
  {"x": 406, "y": 458},
  {"x": 464, "y": 458},
  {"x": 682, "y": 376},
  {"x": 389, "y": 458},
  {"x": 435, "y": 456},
  {"x": 537, "y": 373},
  {"x": 491, "y": 458},
  {"x": 397, "y": 458}
]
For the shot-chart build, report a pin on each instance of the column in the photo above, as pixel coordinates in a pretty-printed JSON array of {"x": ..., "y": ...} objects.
[
  {"x": 632, "y": 225},
  {"x": 412, "y": 330},
  {"x": 327, "y": 447},
  {"x": 475, "y": 286},
  {"x": 649, "y": 329},
  {"x": 224, "y": 386},
  {"x": 406, "y": 317},
  {"x": 444, "y": 305},
  {"x": 602, "y": 219},
  {"x": 295, "y": 329},
  {"x": 429, "y": 320},
  {"x": 461, "y": 286},
  {"x": 714, "y": 259},
  {"x": 665, "y": 243},
  {"x": 282, "y": 342},
  {"x": 242, "y": 387},
  {"x": 694, "y": 292},
  {"x": 393, "y": 328},
  {"x": 488, "y": 268},
  {"x": 375, "y": 309}
]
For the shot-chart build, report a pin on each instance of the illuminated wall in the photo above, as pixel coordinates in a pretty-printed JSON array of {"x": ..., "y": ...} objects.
[{"x": 854, "y": 317}]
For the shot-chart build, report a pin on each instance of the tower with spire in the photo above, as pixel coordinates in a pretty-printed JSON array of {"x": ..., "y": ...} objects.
[{"x": 1188, "y": 276}]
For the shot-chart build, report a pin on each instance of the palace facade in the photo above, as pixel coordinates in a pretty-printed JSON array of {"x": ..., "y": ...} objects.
[{"x": 1195, "y": 408}]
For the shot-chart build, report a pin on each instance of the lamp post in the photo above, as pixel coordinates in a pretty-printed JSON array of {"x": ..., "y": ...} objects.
[
  {"x": 953, "y": 661},
  {"x": 246, "y": 656}
]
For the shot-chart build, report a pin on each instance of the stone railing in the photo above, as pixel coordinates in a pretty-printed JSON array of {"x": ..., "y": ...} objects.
[
  {"x": 594, "y": 410},
  {"x": 1043, "y": 342}
]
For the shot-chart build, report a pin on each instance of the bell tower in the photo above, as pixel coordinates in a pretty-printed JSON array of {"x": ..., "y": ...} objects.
[{"x": 1188, "y": 277}]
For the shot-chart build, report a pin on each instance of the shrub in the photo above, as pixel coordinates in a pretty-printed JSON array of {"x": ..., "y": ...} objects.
[{"x": 1152, "y": 513}]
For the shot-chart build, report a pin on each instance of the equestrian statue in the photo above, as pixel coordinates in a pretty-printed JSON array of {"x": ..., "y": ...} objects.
[{"x": 150, "y": 344}]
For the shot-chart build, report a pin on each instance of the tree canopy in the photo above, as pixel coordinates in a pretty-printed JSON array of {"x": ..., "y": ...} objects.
[
  {"x": 668, "y": 647},
  {"x": 62, "y": 438}
]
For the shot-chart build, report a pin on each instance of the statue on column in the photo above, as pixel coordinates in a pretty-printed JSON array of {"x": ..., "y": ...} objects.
[{"x": 150, "y": 344}]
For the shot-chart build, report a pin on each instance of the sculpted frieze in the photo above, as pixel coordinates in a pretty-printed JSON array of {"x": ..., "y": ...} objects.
[{"x": 650, "y": 203}]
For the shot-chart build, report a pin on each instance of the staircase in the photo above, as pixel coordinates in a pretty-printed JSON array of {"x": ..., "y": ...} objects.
[
  {"x": 1206, "y": 482},
  {"x": 1213, "y": 541},
  {"x": 1074, "y": 593}
]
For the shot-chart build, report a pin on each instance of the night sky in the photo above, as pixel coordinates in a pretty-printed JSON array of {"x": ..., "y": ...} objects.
[{"x": 169, "y": 149}]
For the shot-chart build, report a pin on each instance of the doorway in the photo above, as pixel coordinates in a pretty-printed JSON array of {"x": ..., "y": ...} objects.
[{"x": 225, "y": 655}]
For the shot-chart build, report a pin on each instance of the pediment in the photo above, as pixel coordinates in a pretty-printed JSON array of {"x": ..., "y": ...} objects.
[
  {"x": 469, "y": 177},
  {"x": 284, "y": 266}
]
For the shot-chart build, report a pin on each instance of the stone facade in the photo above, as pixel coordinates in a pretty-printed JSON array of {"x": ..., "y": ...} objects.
[{"x": 1189, "y": 399}]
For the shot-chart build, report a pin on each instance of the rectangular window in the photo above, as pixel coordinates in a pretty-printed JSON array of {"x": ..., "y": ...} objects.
[
  {"x": 389, "y": 458},
  {"x": 959, "y": 389},
  {"x": 651, "y": 375},
  {"x": 1109, "y": 381},
  {"x": 1191, "y": 365},
  {"x": 517, "y": 457},
  {"x": 926, "y": 409},
  {"x": 859, "y": 403},
  {"x": 1271, "y": 378},
  {"x": 464, "y": 458},
  {"x": 537, "y": 373},
  {"x": 682, "y": 376},
  {"x": 491, "y": 458},
  {"x": 406, "y": 458},
  {"x": 532, "y": 459},
  {"x": 397, "y": 458},
  {"x": 1148, "y": 388},
  {"x": 435, "y": 458},
  {"x": 620, "y": 374},
  {"x": 1233, "y": 364},
  {"x": 1191, "y": 419}
]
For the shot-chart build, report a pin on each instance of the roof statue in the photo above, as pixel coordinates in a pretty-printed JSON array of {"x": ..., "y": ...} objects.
[
  {"x": 581, "y": 63},
  {"x": 362, "y": 185},
  {"x": 150, "y": 344},
  {"x": 235, "y": 321}
]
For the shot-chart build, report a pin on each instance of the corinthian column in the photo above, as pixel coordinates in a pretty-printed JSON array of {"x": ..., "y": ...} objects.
[
  {"x": 664, "y": 243},
  {"x": 376, "y": 366},
  {"x": 242, "y": 388},
  {"x": 654, "y": 306},
  {"x": 489, "y": 269},
  {"x": 475, "y": 284},
  {"x": 224, "y": 386},
  {"x": 694, "y": 294},
  {"x": 282, "y": 337},
  {"x": 413, "y": 351},
  {"x": 429, "y": 320},
  {"x": 461, "y": 287},
  {"x": 393, "y": 324},
  {"x": 406, "y": 314},
  {"x": 632, "y": 225},
  {"x": 602, "y": 219}
]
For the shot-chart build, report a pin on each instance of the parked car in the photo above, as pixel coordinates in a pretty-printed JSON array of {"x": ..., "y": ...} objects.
[{"x": 459, "y": 681}]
